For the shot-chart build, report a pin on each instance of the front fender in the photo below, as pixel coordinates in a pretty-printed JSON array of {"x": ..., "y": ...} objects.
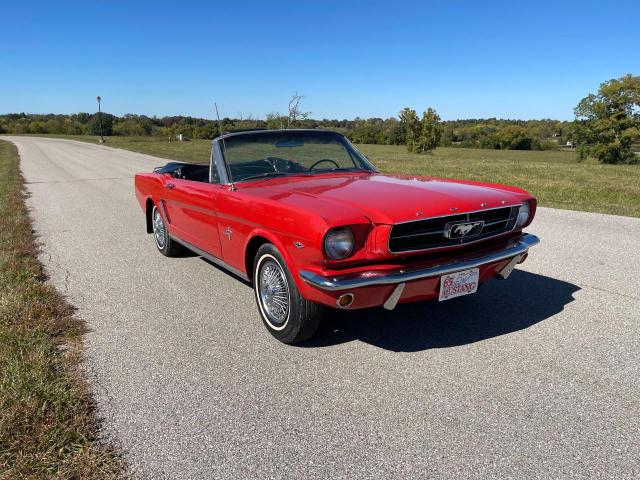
[{"x": 295, "y": 251}]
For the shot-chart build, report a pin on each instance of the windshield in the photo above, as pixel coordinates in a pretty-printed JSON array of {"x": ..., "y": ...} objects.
[{"x": 279, "y": 153}]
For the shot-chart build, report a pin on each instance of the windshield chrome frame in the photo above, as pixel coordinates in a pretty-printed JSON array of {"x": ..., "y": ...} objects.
[{"x": 219, "y": 161}]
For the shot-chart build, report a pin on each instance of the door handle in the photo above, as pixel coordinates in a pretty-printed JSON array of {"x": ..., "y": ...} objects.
[{"x": 170, "y": 186}]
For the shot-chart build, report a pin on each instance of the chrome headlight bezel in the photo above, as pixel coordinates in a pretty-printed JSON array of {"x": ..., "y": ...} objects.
[
  {"x": 524, "y": 213},
  {"x": 338, "y": 243}
]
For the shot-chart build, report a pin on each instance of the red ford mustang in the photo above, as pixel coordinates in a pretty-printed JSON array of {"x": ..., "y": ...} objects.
[{"x": 310, "y": 222}]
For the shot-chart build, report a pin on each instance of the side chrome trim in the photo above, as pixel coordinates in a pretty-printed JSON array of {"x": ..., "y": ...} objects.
[
  {"x": 211, "y": 258},
  {"x": 518, "y": 247}
]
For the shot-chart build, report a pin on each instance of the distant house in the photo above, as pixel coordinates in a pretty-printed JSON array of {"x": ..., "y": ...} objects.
[{"x": 570, "y": 144}]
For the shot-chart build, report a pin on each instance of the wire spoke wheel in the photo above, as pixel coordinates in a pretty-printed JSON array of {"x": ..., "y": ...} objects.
[
  {"x": 158, "y": 229},
  {"x": 273, "y": 290},
  {"x": 286, "y": 314}
]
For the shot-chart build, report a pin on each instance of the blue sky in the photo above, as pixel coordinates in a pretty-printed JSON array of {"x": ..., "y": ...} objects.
[{"x": 468, "y": 59}]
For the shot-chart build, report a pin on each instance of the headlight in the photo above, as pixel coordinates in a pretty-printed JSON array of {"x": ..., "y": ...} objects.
[
  {"x": 338, "y": 243},
  {"x": 523, "y": 215}
]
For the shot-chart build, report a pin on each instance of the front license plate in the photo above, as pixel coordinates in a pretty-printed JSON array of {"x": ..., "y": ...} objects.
[{"x": 458, "y": 284}]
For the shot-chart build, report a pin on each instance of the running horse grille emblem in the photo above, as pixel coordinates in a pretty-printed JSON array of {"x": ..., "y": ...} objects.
[{"x": 463, "y": 229}]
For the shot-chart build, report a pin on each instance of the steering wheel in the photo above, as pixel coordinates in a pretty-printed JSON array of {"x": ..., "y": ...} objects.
[
  {"x": 323, "y": 161},
  {"x": 273, "y": 161}
]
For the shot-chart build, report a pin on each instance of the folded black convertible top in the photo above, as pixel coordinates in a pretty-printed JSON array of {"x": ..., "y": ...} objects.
[{"x": 170, "y": 167}]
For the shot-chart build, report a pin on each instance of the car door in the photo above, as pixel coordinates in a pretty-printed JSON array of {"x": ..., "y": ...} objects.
[
  {"x": 192, "y": 214},
  {"x": 233, "y": 226}
]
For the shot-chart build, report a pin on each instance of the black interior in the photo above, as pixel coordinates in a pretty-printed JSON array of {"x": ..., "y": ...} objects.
[
  {"x": 198, "y": 173},
  {"x": 186, "y": 171}
]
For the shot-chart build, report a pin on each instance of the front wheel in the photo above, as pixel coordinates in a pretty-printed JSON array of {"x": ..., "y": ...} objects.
[{"x": 287, "y": 315}]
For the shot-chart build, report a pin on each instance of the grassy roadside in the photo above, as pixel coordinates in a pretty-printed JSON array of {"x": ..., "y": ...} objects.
[
  {"x": 47, "y": 424},
  {"x": 555, "y": 177}
]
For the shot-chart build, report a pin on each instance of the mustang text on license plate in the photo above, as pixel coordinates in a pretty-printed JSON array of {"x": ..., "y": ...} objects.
[{"x": 459, "y": 283}]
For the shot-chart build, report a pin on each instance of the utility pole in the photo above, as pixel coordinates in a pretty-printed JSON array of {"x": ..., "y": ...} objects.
[{"x": 100, "y": 120}]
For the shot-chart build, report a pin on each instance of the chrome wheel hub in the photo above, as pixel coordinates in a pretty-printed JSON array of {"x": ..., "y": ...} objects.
[
  {"x": 274, "y": 292},
  {"x": 158, "y": 229}
]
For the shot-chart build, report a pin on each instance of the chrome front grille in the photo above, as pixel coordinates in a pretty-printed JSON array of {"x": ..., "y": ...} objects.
[{"x": 435, "y": 232}]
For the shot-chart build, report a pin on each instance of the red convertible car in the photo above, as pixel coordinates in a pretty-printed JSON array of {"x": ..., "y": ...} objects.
[{"x": 311, "y": 223}]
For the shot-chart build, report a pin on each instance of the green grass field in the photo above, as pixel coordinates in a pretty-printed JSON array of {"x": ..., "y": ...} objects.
[
  {"x": 47, "y": 424},
  {"x": 556, "y": 178}
]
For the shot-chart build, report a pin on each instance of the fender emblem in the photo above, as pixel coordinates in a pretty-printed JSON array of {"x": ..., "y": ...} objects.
[{"x": 228, "y": 233}]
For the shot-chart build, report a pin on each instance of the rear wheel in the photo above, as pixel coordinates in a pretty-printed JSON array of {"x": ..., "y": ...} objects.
[
  {"x": 287, "y": 315},
  {"x": 165, "y": 244}
]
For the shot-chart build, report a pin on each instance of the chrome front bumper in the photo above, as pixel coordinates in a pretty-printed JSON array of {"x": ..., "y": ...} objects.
[{"x": 517, "y": 248}]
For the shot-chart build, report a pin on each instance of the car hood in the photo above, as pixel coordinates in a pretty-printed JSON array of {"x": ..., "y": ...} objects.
[{"x": 395, "y": 198}]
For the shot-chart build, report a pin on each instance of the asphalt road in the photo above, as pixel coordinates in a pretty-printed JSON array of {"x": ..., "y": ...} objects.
[{"x": 536, "y": 377}]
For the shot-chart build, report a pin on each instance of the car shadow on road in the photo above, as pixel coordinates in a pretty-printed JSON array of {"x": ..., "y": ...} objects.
[
  {"x": 225, "y": 271},
  {"x": 497, "y": 309}
]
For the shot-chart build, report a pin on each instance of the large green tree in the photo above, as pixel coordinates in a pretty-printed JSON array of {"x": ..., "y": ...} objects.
[
  {"x": 513, "y": 137},
  {"x": 608, "y": 123},
  {"x": 368, "y": 132},
  {"x": 430, "y": 131},
  {"x": 411, "y": 125}
]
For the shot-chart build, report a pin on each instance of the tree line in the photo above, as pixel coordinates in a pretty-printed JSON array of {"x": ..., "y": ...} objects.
[
  {"x": 606, "y": 126},
  {"x": 474, "y": 133}
]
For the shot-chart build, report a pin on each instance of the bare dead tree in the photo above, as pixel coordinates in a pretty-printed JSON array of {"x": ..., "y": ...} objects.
[{"x": 294, "y": 110}]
